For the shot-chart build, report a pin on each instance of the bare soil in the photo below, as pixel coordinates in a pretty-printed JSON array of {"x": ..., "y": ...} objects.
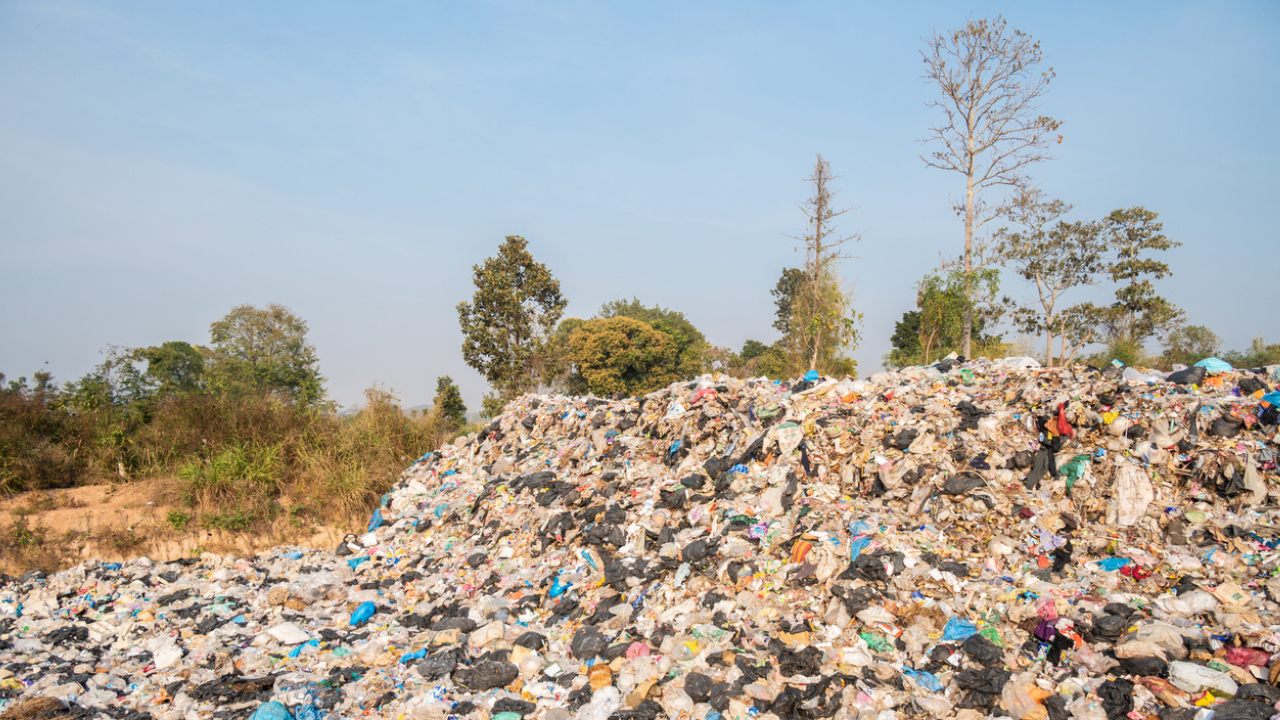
[{"x": 55, "y": 529}]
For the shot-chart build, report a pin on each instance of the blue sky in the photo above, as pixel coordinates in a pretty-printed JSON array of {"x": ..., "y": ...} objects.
[{"x": 161, "y": 163}]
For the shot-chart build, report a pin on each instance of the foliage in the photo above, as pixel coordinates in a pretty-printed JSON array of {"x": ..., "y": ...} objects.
[
  {"x": 936, "y": 328},
  {"x": 1188, "y": 345},
  {"x": 620, "y": 355},
  {"x": 448, "y": 404},
  {"x": 991, "y": 131},
  {"x": 173, "y": 367},
  {"x": 262, "y": 350},
  {"x": 690, "y": 344},
  {"x": 1259, "y": 354},
  {"x": 516, "y": 305},
  {"x": 1055, "y": 257},
  {"x": 1138, "y": 313}
]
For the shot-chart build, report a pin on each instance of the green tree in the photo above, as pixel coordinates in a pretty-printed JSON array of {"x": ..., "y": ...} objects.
[
  {"x": 991, "y": 131},
  {"x": 264, "y": 350},
  {"x": 620, "y": 355},
  {"x": 1259, "y": 354},
  {"x": 1055, "y": 256},
  {"x": 936, "y": 327},
  {"x": 173, "y": 367},
  {"x": 516, "y": 305},
  {"x": 448, "y": 404},
  {"x": 1138, "y": 313},
  {"x": 691, "y": 344},
  {"x": 1189, "y": 344}
]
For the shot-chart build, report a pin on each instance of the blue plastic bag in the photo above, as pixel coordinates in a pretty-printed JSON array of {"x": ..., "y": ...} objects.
[
  {"x": 558, "y": 587},
  {"x": 375, "y": 522},
  {"x": 857, "y": 545},
  {"x": 363, "y": 613},
  {"x": 812, "y": 376},
  {"x": 1113, "y": 563},
  {"x": 271, "y": 711},
  {"x": 927, "y": 680},
  {"x": 1214, "y": 365},
  {"x": 958, "y": 630}
]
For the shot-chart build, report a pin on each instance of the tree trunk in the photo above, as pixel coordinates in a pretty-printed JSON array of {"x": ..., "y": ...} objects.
[{"x": 966, "y": 337}]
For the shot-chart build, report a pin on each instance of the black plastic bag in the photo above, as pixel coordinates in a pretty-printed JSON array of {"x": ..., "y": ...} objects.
[
  {"x": 491, "y": 674},
  {"x": 1117, "y": 698},
  {"x": 983, "y": 651},
  {"x": 1190, "y": 376},
  {"x": 1109, "y": 627},
  {"x": 519, "y": 707},
  {"x": 1260, "y": 692},
  {"x": 698, "y": 686},
  {"x": 957, "y": 485},
  {"x": 1143, "y": 667},
  {"x": 1227, "y": 427},
  {"x": 587, "y": 643},
  {"x": 1242, "y": 710},
  {"x": 807, "y": 662}
]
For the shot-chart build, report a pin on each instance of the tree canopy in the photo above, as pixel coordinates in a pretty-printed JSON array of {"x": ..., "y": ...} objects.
[
  {"x": 691, "y": 345},
  {"x": 620, "y": 355},
  {"x": 516, "y": 305},
  {"x": 261, "y": 350}
]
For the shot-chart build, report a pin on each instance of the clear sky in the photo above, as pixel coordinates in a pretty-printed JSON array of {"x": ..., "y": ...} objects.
[{"x": 162, "y": 162}]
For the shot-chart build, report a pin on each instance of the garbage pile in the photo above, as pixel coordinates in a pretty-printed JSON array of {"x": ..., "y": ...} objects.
[{"x": 980, "y": 539}]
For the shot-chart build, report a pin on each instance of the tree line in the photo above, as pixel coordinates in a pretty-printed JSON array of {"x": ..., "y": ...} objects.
[{"x": 990, "y": 80}]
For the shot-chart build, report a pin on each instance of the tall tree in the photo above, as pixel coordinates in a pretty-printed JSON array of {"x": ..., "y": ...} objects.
[
  {"x": 1138, "y": 313},
  {"x": 1052, "y": 254},
  {"x": 813, "y": 310},
  {"x": 517, "y": 304},
  {"x": 265, "y": 350},
  {"x": 991, "y": 130},
  {"x": 448, "y": 404}
]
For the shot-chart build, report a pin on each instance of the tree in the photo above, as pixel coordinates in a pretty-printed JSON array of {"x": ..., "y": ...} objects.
[
  {"x": 516, "y": 305},
  {"x": 1055, "y": 257},
  {"x": 1138, "y": 313},
  {"x": 620, "y": 355},
  {"x": 173, "y": 367},
  {"x": 936, "y": 327},
  {"x": 990, "y": 131},
  {"x": 448, "y": 404},
  {"x": 265, "y": 350},
  {"x": 813, "y": 312},
  {"x": 1259, "y": 354},
  {"x": 1189, "y": 344},
  {"x": 691, "y": 345}
]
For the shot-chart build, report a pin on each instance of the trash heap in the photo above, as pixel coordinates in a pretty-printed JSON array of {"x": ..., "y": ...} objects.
[{"x": 961, "y": 541}]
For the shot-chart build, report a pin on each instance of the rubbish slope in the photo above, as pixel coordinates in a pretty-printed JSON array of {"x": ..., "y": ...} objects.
[{"x": 968, "y": 540}]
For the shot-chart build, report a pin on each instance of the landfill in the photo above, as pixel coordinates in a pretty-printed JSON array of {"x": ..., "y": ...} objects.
[{"x": 973, "y": 539}]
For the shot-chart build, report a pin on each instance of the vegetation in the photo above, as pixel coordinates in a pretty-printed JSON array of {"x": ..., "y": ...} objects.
[
  {"x": 517, "y": 304},
  {"x": 814, "y": 314},
  {"x": 988, "y": 79},
  {"x": 241, "y": 425},
  {"x": 935, "y": 328}
]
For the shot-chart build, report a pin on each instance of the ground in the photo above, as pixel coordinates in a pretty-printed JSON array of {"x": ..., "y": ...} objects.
[{"x": 54, "y": 529}]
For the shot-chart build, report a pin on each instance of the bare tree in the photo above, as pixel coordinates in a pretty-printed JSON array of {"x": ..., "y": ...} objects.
[
  {"x": 991, "y": 131},
  {"x": 817, "y": 325}
]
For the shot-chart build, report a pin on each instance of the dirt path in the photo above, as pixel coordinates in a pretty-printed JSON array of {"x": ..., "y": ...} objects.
[{"x": 54, "y": 529}]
